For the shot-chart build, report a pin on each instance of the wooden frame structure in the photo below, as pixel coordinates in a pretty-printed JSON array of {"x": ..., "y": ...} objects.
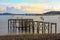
[{"x": 30, "y": 26}]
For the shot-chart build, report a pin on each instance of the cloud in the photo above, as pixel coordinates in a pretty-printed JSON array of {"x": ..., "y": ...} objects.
[
  {"x": 56, "y": 8},
  {"x": 2, "y": 10},
  {"x": 27, "y": 7},
  {"x": 35, "y": 8},
  {"x": 32, "y": 8}
]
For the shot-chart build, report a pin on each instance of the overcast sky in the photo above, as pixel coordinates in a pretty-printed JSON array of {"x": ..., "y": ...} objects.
[{"x": 29, "y": 6}]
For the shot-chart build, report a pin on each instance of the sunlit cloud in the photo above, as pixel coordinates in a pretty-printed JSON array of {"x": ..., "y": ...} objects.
[
  {"x": 36, "y": 8},
  {"x": 2, "y": 10},
  {"x": 56, "y": 8},
  {"x": 28, "y": 8}
]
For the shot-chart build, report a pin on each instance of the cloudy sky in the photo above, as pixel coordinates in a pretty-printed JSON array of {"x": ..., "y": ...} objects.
[{"x": 29, "y": 6}]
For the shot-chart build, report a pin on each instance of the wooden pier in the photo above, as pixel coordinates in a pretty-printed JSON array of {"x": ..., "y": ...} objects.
[
  {"x": 32, "y": 30},
  {"x": 31, "y": 27}
]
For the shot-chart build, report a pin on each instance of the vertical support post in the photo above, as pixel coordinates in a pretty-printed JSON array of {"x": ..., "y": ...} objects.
[
  {"x": 55, "y": 31},
  {"x": 29, "y": 26},
  {"x": 42, "y": 27},
  {"x": 33, "y": 27},
  {"x": 19, "y": 26},
  {"x": 13, "y": 26},
  {"x": 25, "y": 26},
  {"x": 38, "y": 27},
  {"x": 8, "y": 26},
  {"x": 22, "y": 26},
  {"x": 55, "y": 28},
  {"x": 51, "y": 28},
  {"x": 48, "y": 27}
]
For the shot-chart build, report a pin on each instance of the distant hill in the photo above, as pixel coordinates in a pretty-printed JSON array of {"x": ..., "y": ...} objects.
[
  {"x": 47, "y": 13},
  {"x": 5, "y": 13},
  {"x": 19, "y": 14},
  {"x": 52, "y": 13}
]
